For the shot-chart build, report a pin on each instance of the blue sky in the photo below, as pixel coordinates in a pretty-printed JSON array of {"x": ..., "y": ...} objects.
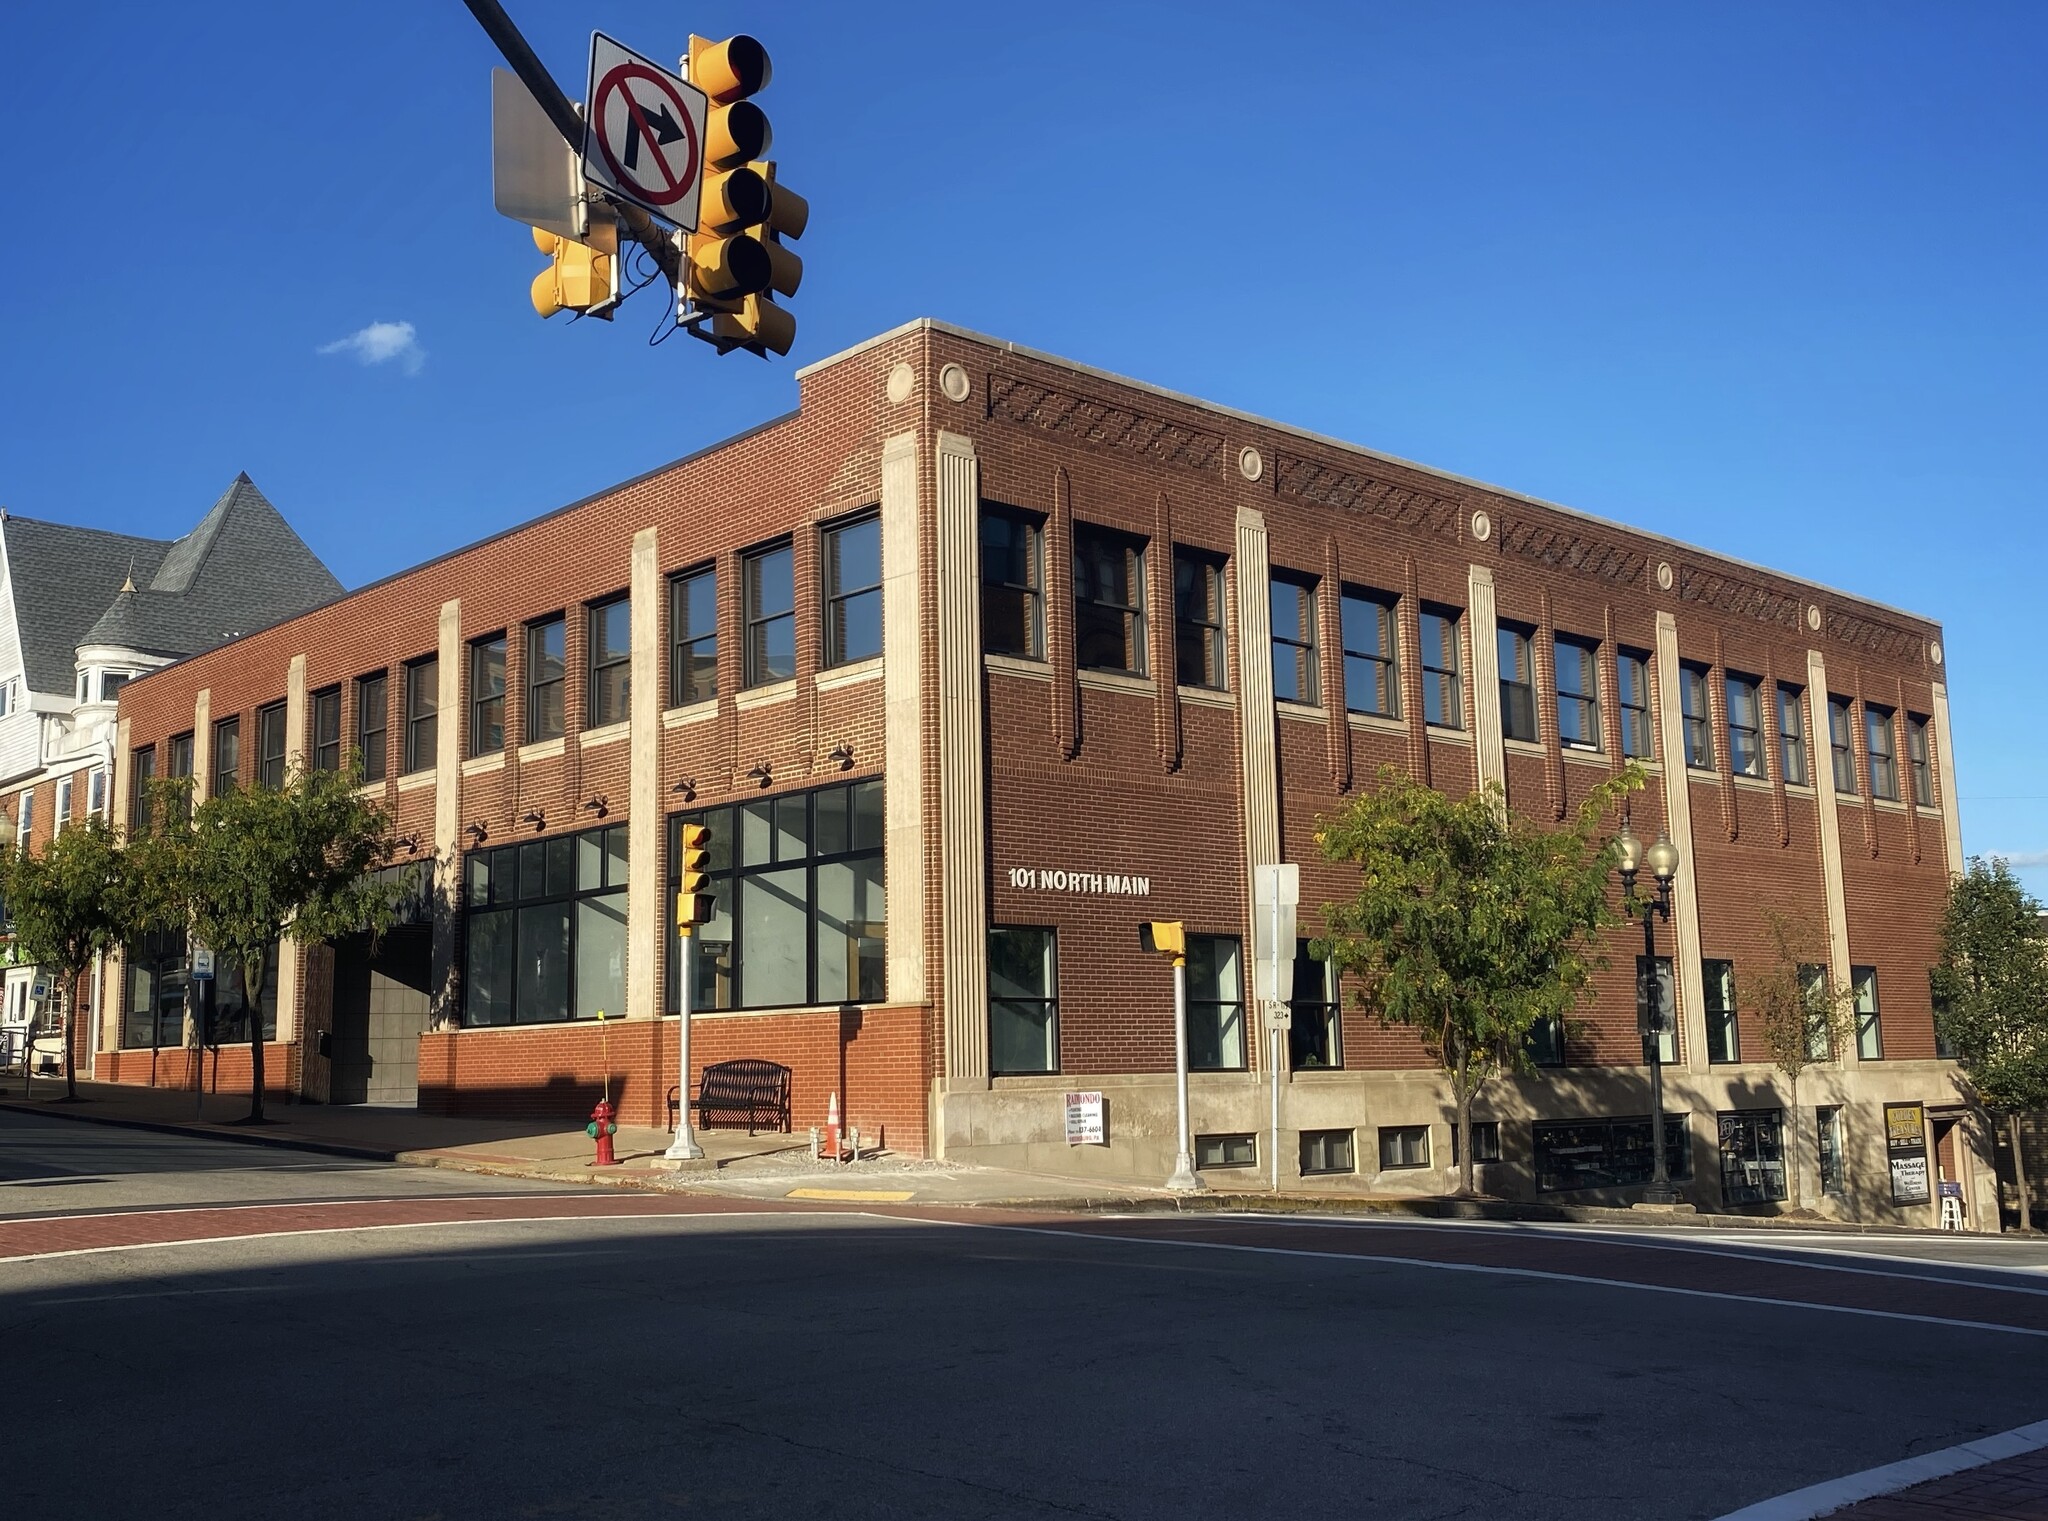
[{"x": 1764, "y": 277}]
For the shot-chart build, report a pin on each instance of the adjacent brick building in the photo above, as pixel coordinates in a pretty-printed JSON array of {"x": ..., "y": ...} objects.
[{"x": 978, "y": 659}]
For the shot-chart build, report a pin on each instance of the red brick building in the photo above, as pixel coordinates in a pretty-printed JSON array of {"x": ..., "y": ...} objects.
[{"x": 978, "y": 659}]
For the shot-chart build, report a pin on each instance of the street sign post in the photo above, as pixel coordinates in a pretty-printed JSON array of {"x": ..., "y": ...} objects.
[
  {"x": 643, "y": 132},
  {"x": 202, "y": 962},
  {"x": 1276, "y": 892}
]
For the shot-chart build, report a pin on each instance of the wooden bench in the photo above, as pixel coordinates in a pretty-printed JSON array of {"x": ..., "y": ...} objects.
[{"x": 748, "y": 1091}]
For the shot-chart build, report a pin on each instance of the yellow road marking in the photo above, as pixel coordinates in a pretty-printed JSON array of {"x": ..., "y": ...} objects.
[{"x": 858, "y": 1195}]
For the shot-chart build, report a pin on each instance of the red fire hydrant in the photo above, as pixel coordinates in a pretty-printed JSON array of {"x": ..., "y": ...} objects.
[{"x": 601, "y": 1129}]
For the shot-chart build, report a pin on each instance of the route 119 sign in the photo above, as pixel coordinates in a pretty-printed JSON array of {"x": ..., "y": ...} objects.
[{"x": 643, "y": 132}]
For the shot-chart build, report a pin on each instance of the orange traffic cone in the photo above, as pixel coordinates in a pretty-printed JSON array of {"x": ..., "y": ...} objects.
[{"x": 832, "y": 1129}]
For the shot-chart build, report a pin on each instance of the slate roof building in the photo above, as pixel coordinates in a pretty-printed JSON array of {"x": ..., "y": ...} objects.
[{"x": 83, "y": 611}]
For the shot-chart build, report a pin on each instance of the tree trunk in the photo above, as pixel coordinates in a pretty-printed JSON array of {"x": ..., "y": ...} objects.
[
  {"x": 1462, "y": 1092},
  {"x": 255, "y": 973},
  {"x": 2019, "y": 1170},
  {"x": 70, "y": 1035}
]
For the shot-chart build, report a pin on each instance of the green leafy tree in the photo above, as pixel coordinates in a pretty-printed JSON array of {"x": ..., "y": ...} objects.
[
  {"x": 67, "y": 901},
  {"x": 1991, "y": 998},
  {"x": 1472, "y": 924},
  {"x": 249, "y": 867},
  {"x": 1805, "y": 1017}
]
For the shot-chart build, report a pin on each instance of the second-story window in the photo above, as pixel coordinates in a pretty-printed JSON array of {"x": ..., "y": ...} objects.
[
  {"x": 1443, "y": 694},
  {"x": 1840, "y": 747},
  {"x": 142, "y": 775},
  {"x": 1578, "y": 695},
  {"x": 227, "y": 755},
  {"x": 422, "y": 713},
  {"x": 547, "y": 654},
  {"x": 1632, "y": 684},
  {"x": 64, "y": 788},
  {"x": 1198, "y": 650},
  {"x": 1109, "y": 601},
  {"x": 1694, "y": 704},
  {"x": 1920, "y": 759},
  {"x": 487, "y": 696},
  {"x": 611, "y": 663},
  {"x": 768, "y": 582},
  {"x": 1792, "y": 735},
  {"x": 1297, "y": 676},
  {"x": 270, "y": 746},
  {"x": 373, "y": 722},
  {"x": 1371, "y": 674},
  {"x": 1745, "y": 727},
  {"x": 1884, "y": 754},
  {"x": 327, "y": 730},
  {"x": 1517, "y": 685},
  {"x": 1012, "y": 583},
  {"x": 693, "y": 637},
  {"x": 853, "y": 591}
]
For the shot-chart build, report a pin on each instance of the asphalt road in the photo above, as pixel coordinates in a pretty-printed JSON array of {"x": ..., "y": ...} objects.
[{"x": 636, "y": 1356}]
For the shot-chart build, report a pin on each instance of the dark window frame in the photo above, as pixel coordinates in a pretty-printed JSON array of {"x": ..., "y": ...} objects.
[
  {"x": 1100, "y": 620},
  {"x": 1842, "y": 745},
  {"x": 1205, "y": 1010},
  {"x": 1001, "y": 595},
  {"x": 1226, "y": 1149},
  {"x": 1515, "y": 645},
  {"x": 1831, "y": 1149},
  {"x": 1578, "y": 703},
  {"x": 1724, "y": 1034},
  {"x": 1920, "y": 759},
  {"x": 840, "y": 599},
  {"x": 1749, "y": 1128},
  {"x": 1632, "y": 697},
  {"x": 1304, "y": 642},
  {"x": 1200, "y": 629},
  {"x": 1316, "y": 1026},
  {"x": 1870, "y": 1021},
  {"x": 1615, "y": 1140},
  {"x": 758, "y": 623},
  {"x": 271, "y": 745},
  {"x": 487, "y": 696},
  {"x": 422, "y": 678},
  {"x": 326, "y": 751},
  {"x": 373, "y": 724},
  {"x": 601, "y": 661},
  {"x": 1485, "y": 1142},
  {"x": 1793, "y": 759},
  {"x": 1696, "y": 710},
  {"x": 1399, "y": 1142},
  {"x": 1443, "y": 669},
  {"x": 227, "y": 735},
  {"x": 1745, "y": 740},
  {"x": 483, "y": 895},
  {"x": 1316, "y": 1152},
  {"x": 547, "y": 679},
  {"x": 141, "y": 774},
  {"x": 1377, "y": 691},
  {"x": 692, "y": 657},
  {"x": 1047, "y": 1003},
  {"x": 1884, "y": 758}
]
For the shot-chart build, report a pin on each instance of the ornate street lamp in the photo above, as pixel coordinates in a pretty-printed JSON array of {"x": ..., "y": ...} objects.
[{"x": 1662, "y": 859}]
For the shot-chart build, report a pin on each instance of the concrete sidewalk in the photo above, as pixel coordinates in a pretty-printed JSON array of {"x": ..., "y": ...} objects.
[{"x": 764, "y": 1166}]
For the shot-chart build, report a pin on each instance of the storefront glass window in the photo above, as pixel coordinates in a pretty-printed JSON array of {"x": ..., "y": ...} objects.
[
  {"x": 1215, "y": 1004},
  {"x": 155, "y": 1014},
  {"x": 1314, "y": 1038},
  {"x": 1023, "y": 1001},
  {"x": 545, "y": 922},
  {"x": 1834, "y": 1173},
  {"x": 800, "y": 916},
  {"x": 1753, "y": 1156},
  {"x": 1615, "y": 1153}
]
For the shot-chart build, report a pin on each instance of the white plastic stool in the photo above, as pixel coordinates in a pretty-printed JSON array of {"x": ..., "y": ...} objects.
[{"x": 1951, "y": 1213}]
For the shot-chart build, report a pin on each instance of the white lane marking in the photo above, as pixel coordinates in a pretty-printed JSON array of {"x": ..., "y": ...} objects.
[
  {"x": 1507, "y": 1272},
  {"x": 427, "y": 1225},
  {"x": 1831, "y": 1495},
  {"x": 1640, "y": 1244}
]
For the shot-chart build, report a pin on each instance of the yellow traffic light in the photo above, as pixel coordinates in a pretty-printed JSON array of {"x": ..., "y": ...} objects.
[
  {"x": 736, "y": 257},
  {"x": 694, "y": 904},
  {"x": 578, "y": 277},
  {"x": 1165, "y": 937}
]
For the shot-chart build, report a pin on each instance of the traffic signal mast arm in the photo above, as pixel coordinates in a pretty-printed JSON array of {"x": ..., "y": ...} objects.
[{"x": 639, "y": 226}]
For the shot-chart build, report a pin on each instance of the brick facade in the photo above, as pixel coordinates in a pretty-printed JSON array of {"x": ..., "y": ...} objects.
[{"x": 1125, "y": 776}]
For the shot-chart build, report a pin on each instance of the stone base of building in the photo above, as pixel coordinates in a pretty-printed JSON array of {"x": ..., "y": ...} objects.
[{"x": 1327, "y": 1117}]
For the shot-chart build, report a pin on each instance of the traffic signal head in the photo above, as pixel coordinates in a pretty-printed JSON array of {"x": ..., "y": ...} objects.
[
  {"x": 1165, "y": 937},
  {"x": 694, "y": 903},
  {"x": 578, "y": 277},
  {"x": 736, "y": 258}
]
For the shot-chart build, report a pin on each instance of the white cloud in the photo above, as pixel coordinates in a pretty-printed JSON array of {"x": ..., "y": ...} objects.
[
  {"x": 2022, "y": 857},
  {"x": 381, "y": 343}
]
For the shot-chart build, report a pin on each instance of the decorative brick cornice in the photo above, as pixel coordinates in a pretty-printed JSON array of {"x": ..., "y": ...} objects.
[
  {"x": 1088, "y": 420},
  {"x": 1563, "y": 549},
  {"x": 1729, "y": 594},
  {"x": 1310, "y": 480},
  {"x": 1869, "y": 634}
]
